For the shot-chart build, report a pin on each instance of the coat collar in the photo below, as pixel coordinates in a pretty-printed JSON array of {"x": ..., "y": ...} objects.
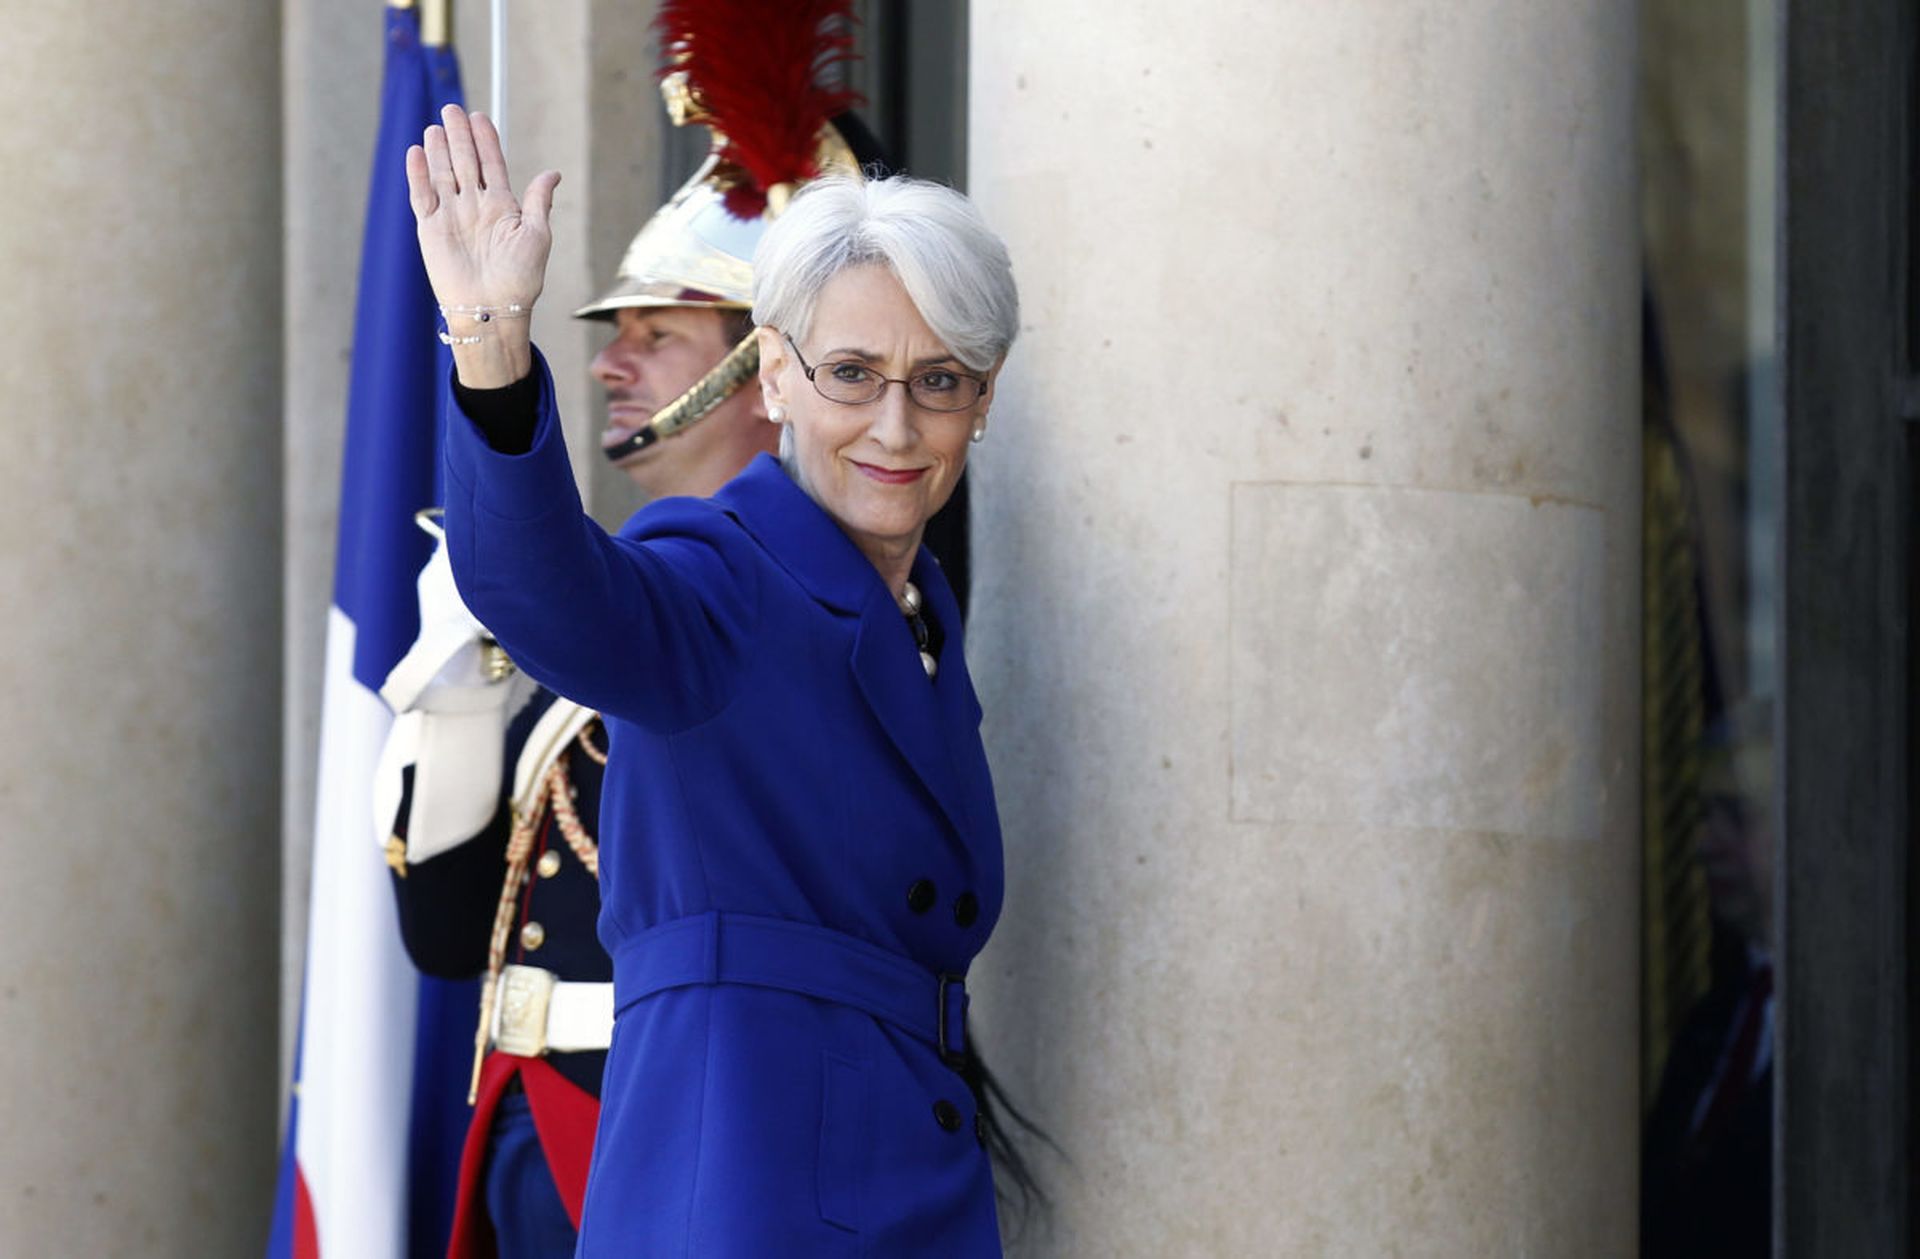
[
  {"x": 921, "y": 718},
  {"x": 800, "y": 536}
]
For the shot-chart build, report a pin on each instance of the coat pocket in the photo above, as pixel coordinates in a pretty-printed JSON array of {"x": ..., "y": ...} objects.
[{"x": 845, "y": 1141}]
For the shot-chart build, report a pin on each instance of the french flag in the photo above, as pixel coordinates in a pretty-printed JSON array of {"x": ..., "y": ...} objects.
[{"x": 372, "y": 1150}]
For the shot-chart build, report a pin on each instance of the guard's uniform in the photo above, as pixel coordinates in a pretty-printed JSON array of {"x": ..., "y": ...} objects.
[{"x": 536, "y": 1103}]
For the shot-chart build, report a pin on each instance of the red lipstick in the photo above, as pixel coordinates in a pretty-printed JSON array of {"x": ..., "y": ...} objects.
[{"x": 890, "y": 476}]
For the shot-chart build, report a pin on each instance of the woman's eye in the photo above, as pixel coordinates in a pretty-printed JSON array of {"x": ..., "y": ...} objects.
[
  {"x": 849, "y": 373},
  {"x": 937, "y": 382}
]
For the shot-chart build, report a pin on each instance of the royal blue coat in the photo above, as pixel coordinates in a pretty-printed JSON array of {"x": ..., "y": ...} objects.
[{"x": 798, "y": 838}]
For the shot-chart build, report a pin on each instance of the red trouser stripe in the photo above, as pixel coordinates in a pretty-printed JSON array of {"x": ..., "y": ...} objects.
[{"x": 564, "y": 1116}]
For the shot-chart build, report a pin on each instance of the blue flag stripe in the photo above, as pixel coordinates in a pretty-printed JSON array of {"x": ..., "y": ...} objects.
[
  {"x": 399, "y": 373},
  {"x": 391, "y": 469}
]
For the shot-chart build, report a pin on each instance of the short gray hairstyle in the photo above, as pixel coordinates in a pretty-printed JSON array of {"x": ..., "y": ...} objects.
[{"x": 933, "y": 240}]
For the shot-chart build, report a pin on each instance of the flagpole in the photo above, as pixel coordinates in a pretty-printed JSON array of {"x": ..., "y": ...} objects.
[
  {"x": 436, "y": 21},
  {"x": 497, "y": 95}
]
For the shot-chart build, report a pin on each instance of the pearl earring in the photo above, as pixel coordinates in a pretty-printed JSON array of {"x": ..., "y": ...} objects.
[
  {"x": 979, "y": 434},
  {"x": 777, "y": 414}
]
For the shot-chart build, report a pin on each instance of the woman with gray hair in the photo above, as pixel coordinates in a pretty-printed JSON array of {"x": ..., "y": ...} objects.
[{"x": 801, "y": 853}]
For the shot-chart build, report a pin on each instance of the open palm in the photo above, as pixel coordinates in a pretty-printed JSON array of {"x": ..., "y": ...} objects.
[{"x": 481, "y": 245}]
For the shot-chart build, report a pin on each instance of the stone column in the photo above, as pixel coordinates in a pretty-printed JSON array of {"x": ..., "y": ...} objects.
[
  {"x": 1306, "y": 621},
  {"x": 139, "y": 762}
]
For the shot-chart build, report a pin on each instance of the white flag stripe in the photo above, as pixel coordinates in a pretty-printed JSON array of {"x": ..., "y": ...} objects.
[{"x": 357, "y": 1057}]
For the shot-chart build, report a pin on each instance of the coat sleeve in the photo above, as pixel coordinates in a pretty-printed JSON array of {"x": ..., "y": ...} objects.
[{"x": 651, "y": 625}]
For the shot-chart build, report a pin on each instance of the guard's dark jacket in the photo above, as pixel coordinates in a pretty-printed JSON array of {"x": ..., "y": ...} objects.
[{"x": 447, "y": 902}]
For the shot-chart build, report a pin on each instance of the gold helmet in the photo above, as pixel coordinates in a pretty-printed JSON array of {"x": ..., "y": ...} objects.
[
  {"x": 771, "y": 133},
  {"x": 692, "y": 252}
]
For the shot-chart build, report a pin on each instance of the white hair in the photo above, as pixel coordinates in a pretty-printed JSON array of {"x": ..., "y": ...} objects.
[{"x": 932, "y": 238}]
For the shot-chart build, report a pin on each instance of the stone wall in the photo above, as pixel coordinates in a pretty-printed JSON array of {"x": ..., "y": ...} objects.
[{"x": 140, "y": 562}]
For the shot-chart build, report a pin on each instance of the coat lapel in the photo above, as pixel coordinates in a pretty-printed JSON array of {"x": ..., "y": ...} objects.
[
  {"x": 920, "y": 718},
  {"x": 887, "y": 665},
  {"x": 959, "y": 706}
]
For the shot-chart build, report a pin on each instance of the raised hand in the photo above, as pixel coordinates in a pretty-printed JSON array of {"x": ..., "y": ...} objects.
[{"x": 483, "y": 248}]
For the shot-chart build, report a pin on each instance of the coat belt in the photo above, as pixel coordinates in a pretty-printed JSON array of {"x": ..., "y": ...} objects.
[{"x": 728, "y": 948}]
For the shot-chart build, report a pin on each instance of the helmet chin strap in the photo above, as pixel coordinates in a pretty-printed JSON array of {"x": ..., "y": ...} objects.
[
  {"x": 642, "y": 439},
  {"x": 741, "y": 365}
]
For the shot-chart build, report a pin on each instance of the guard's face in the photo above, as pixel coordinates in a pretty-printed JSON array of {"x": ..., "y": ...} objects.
[
  {"x": 880, "y": 468},
  {"x": 657, "y": 354}
]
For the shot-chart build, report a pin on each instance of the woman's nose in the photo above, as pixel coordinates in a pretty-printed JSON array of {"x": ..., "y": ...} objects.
[{"x": 893, "y": 420}]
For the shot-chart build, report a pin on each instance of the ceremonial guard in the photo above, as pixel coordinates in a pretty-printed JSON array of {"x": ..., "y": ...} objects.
[{"x": 490, "y": 786}]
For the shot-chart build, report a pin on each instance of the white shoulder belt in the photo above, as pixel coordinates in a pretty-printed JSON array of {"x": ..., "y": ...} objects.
[{"x": 557, "y": 728}]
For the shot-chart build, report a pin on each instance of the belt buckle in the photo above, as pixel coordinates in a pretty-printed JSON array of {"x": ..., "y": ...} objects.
[
  {"x": 520, "y": 1014},
  {"x": 952, "y": 1037}
]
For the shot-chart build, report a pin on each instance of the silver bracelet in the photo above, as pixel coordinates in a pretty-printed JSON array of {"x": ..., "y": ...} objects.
[
  {"x": 486, "y": 314},
  {"x": 479, "y": 314}
]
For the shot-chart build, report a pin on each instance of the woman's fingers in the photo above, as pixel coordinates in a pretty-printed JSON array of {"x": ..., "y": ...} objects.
[
  {"x": 493, "y": 162},
  {"x": 479, "y": 246},
  {"x": 420, "y": 193},
  {"x": 439, "y": 163},
  {"x": 539, "y": 200},
  {"x": 466, "y": 162}
]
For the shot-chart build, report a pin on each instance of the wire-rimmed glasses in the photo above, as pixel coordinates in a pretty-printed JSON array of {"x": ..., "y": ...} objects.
[{"x": 855, "y": 384}]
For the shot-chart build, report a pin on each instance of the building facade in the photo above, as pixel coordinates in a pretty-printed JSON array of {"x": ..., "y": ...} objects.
[{"x": 1307, "y": 612}]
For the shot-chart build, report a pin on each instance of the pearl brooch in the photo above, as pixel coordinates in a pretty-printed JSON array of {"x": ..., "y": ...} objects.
[{"x": 909, "y": 602}]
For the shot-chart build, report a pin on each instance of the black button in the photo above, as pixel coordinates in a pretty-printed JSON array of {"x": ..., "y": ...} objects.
[
  {"x": 922, "y": 895},
  {"x": 979, "y": 1128},
  {"x": 947, "y": 1115},
  {"x": 966, "y": 909}
]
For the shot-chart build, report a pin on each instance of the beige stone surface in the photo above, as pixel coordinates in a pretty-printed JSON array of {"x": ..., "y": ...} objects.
[
  {"x": 1317, "y": 462},
  {"x": 625, "y": 160},
  {"x": 1371, "y": 617},
  {"x": 139, "y": 612}
]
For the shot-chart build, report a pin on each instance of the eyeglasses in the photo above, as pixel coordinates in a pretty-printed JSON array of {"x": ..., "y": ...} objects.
[{"x": 851, "y": 383}]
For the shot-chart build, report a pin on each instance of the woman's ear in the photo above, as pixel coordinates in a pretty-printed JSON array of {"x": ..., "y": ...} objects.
[
  {"x": 773, "y": 366},
  {"x": 988, "y": 394}
]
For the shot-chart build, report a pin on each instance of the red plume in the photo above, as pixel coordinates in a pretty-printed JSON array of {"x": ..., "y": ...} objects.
[{"x": 756, "y": 68}]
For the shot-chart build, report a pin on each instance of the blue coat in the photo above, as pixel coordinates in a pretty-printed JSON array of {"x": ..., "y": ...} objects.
[{"x": 798, "y": 839}]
